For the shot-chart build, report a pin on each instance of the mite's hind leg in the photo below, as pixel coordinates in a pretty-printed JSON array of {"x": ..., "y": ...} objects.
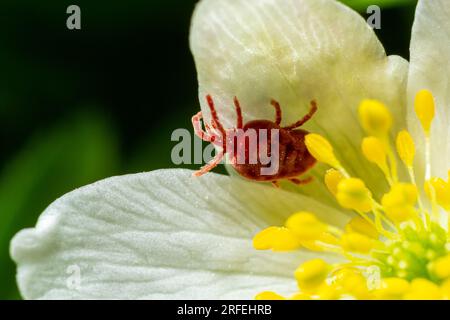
[
  {"x": 210, "y": 165},
  {"x": 299, "y": 182},
  {"x": 306, "y": 118},
  {"x": 239, "y": 119},
  {"x": 277, "y": 107},
  {"x": 214, "y": 115},
  {"x": 197, "y": 124}
]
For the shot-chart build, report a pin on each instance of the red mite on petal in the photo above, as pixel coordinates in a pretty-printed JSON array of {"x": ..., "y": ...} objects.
[{"x": 259, "y": 145}]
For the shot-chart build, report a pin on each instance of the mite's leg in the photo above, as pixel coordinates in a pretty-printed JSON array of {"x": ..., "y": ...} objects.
[
  {"x": 197, "y": 124},
  {"x": 276, "y": 184},
  {"x": 306, "y": 118},
  {"x": 211, "y": 165},
  {"x": 214, "y": 115},
  {"x": 278, "y": 111},
  {"x": 240, "y": 119},
  {"x": 301, "y": 182}
]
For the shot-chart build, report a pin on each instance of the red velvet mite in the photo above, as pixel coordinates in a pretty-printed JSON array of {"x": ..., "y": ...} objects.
[{"x": 294, "y": 158}]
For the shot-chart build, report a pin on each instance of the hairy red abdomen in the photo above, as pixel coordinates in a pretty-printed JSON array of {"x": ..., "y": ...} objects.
[
  {"x": 247, "y": 145},
  {"x": 293, "y": 158}
]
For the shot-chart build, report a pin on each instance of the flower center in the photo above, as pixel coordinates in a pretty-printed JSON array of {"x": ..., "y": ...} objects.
[
  {"x": 394, "y": 248},
  {"x": 415, "y": 256}
]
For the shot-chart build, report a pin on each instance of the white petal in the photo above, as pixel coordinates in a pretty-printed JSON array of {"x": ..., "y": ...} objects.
[
  {"x": 295, "y": 51},
  {"x": 430, "y": 69},
  {"x": 160, "y": 235}
]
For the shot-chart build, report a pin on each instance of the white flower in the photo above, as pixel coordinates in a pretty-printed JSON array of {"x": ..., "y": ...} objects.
[{"x": 167, "y": 235}]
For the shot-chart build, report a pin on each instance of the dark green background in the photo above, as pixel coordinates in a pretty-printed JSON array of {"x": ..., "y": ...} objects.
[{"x": 78, "y": 106}]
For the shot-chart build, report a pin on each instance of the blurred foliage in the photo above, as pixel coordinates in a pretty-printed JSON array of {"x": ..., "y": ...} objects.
[
  {"x": 362, "y": 5},
  {"x": 75, "y": 153},
  {"x": 80, "y": 106}
]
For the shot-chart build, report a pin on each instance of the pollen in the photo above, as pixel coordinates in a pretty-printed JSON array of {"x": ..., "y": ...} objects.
[
  {"x": 425, "y": 109},
  {"x": 276, "y": 239},
  {"x": 332, "y": 179},
  {"x": 362, "y": 226},
  {"x": 353, "y": 194},
  {"x": 406, "y": 148},
  {"x": 375, "y": 117},
  {"x": 321, "y": 149},
  {"x": 399, "y": 203},
  {"x": 440, "y": 189},
  {"x": 397, "y": 244},
  {"x": 441, "y": 267},
  {"x": 305, "y": 226},
  {"x": 312, "y": 275}
]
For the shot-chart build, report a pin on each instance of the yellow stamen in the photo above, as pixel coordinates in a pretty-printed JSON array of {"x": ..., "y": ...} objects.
[
  {"x": 351, "y": 281},
  {"x": 445, "y": 290},
  {"x": 375, "y": 118},
  {"x": 395, "y": 248},
  {"x": 374, "y": 151},
  {"x": 425, "y": 109},
  {"x": 441, "y": 267},
  {"x": 312, "y": 274},
  {"x": 362, "y": 226},
  {"x": 399, "y": 203},
  {"x": 306, "y": 226},
  {"x": 332, "y": 179},
  {"x": 431, "y": 193},
  {"x": 301, "y": 296},
  {"x": 392, "y": 289},
  {"x": 327, "y": 292},
  {"x": 269, "y": 295},
  {"x": 353, "y": 194},
  {"x": 276, "y": 239},
  {"x": 422, "y": 289},
  {"x": 321, "y": 149},
  {"x": 406, "y": 148},
  {"x": 441, "y": 191},
  {"x": 358, "y": 243}
]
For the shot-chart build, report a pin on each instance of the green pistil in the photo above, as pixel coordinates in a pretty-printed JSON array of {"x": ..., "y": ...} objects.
[{"x": 411, "y": 257}]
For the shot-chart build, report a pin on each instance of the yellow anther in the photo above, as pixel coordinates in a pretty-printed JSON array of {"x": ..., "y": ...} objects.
[
  {"x": 353, "y": 194},
  {"x": 269, "y": 295},
  {"x": 441, "y": 267},
  {"x": 441, "y": 191},
  {"x": 301, "y": 296},
  {"x": 399, "y": 203},
  {"x": 375, "y": 117},
  {"x": 356, "y": 242},
  {"x": 406, "y": 148},
  {"x": 362, "y": 226},
  {"x": 332, "y": 179},
  {"x": 425, "y": 109},
  {"x": 351, "y": 282},
  {"x": 277, "y": 239},
  {"x": 306, "y": 226},
  {"x": 373, "y": 149},
  {"x": 327, "y": 292},
  {"x": 321, "y": 149},
  {"x": 329, "y": 238},
  {"x": 392, "y": 289},
  {"x": 445, "y": 290},
  {"x": 312, "y": 274},
  {"x": 422, "y": 289}
]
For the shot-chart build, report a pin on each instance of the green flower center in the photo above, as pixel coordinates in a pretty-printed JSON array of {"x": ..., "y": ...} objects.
[{"x": 413, "y": 256}]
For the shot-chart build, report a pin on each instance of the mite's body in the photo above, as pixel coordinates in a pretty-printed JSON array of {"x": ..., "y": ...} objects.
[{"x": 293, "y": 158}]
